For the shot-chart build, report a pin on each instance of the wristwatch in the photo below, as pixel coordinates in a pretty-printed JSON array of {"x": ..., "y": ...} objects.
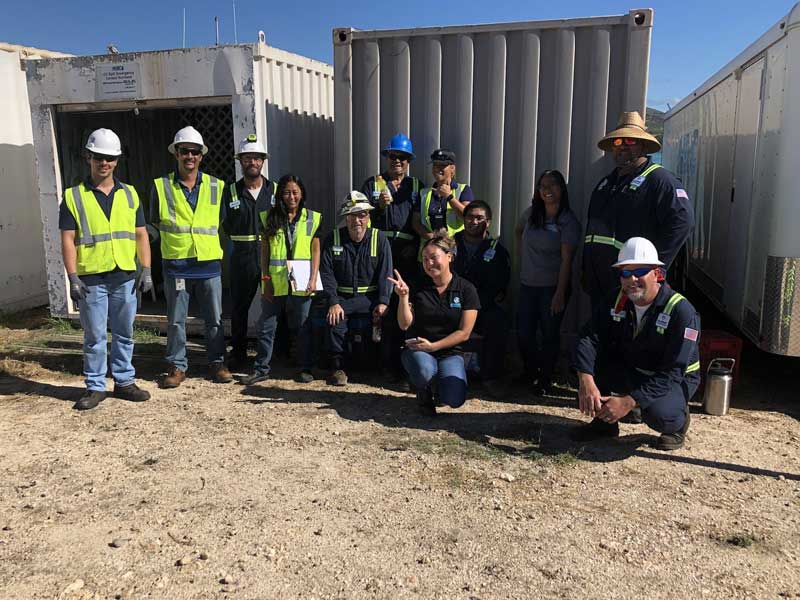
[{"x": 450, "y": 197}]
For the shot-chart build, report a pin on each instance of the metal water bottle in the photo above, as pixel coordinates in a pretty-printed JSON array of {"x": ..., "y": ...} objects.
[{"x": 719, "y": 382}]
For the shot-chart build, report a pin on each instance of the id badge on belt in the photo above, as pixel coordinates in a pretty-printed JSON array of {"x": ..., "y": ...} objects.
[{"x": 180, "y": 285}]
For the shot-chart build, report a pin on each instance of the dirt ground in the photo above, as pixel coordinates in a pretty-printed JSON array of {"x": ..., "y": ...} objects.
[{"x": 288, "y": 491}]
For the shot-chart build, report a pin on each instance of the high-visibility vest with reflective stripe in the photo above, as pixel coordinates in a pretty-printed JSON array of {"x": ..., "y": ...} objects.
[
  {"x": 373, "y": 253},
  {"x": 306, "y": 227},
  {"x": 104, "y": 244},
  {"x": 453, "y": 220},
  {"x": 610, "y": 240},
  {"x": 402, "y": 235},
  {"x": 187, "y": 233}
]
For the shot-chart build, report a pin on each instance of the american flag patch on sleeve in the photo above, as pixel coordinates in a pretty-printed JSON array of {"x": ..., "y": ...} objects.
[
  {"x": 679, "y": 193},
  {"x": 690, "y": 334}
]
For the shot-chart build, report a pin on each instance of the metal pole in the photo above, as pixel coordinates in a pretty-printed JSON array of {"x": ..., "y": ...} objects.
[
  {"x": 216, "y": 28},
  {"x": 184, "y": 27},
  {"x": 235, "y": 33}
]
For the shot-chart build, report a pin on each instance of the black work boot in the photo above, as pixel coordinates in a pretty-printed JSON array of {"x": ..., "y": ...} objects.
[
  {"x": 131, "y": 393},
  {"x": 596, "y": 430},
  {"x": 89, "y": 400},
  {"x": 426, "y": 403},
  {"x": 634, "y": 417},
  {"x": 673, "y": 441}
]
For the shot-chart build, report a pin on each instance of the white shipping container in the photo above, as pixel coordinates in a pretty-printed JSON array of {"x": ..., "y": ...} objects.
[
  {"x": 227, "y": 92},
  {"x": 511, "y": 100},
  {"x": 733, "y": 141}
]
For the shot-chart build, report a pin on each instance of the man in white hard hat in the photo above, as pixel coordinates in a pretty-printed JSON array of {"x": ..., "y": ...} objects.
[
  {"x": 637, "y": 359},
  {"x": 185, "y": 206},
  {"x": 638, "y": 198},
  {"x": 102, "y": 233},
  {"x": 241, "y": 204},
  {"x": 355, "y": 266}
]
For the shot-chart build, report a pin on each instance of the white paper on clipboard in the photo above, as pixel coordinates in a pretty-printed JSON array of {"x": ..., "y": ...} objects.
[{"x": 301, "y": 272}]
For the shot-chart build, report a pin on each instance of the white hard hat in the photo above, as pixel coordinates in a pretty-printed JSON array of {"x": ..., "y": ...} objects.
[
  {"x": 355, "y": 202},
  {"x": 638, "y": 251},
  {"x": 251, "y": 145},
  {"x": 187, "y": 135},
  {"x": 104, "y": 141}
]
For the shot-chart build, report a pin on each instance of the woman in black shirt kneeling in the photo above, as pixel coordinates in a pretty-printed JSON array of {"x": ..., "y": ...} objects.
[{"x": 439, "y": 318}]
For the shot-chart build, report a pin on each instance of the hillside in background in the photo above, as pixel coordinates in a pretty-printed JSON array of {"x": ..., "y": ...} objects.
[{"x": 655, "y": 123}]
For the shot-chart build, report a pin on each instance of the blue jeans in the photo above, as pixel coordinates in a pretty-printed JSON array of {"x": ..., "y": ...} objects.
[
  {"x": 208, "y": 293},
  {"x": 448, "y": 372},
  {"x": 115, "y": 306},
  {"x": 299, "y": 308},
  {"x": 534, "y": 316}
]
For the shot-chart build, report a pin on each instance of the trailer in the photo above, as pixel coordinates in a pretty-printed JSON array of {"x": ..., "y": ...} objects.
[{"x": 733, "y": 142}]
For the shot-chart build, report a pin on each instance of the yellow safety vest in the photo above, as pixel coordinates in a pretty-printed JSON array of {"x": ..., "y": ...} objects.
[
  {"x": 453, "y": 220},
  {"x": 104, "y": 244},
  {"x": 306, "y": 227},
  {"x": 186, "y": 233}
]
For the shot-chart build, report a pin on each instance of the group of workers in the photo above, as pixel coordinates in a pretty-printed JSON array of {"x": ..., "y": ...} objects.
[{"x": 413, "y": 263}]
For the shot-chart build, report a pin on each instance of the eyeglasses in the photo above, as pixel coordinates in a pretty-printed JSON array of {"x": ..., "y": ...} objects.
[
  {"x": 640, "y": 272},
  {"x": 397, "y": 156},
  {"x": 361, "y": 216},
  {"x": 627, "y": 141},
  {"x": 251, "y": 158},
  {"x": 189, "y": 151},
  {"x": 477, "y": 218},
  {"x": 104, "y": 157}
]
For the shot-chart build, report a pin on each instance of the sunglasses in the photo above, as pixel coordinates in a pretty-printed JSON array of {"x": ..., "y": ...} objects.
[
  {"x": 640, "y": 272},
  {"x": 104, "y": 157},
  {"x": 397, "y": 156},
  {"x": 190, "y": 151},
  {"x": 627, "y": 141}
]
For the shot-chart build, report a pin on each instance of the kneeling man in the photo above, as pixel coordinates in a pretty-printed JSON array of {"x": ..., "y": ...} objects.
[{"x": 637, "y": 359}]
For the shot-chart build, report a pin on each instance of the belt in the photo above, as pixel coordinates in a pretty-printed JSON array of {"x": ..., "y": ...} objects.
[
  {"x": 359, "y": 290},
  {"x": 398, "y": 235}
]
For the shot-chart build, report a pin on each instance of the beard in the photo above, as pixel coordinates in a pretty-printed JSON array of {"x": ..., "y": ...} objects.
[{"x": 635, "y": 294}]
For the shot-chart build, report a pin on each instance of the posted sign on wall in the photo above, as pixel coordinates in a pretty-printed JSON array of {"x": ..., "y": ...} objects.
[{"x": 116, "y": 82}]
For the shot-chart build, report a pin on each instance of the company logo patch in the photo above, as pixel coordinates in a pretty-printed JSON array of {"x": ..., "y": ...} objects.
[{"x": 690, "y": 334}]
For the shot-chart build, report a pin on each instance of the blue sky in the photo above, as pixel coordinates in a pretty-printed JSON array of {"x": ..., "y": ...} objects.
[{"x": 691, "y": 40}]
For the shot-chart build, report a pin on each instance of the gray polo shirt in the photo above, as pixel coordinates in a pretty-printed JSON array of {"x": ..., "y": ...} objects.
[{"x": 541, "y": 247}]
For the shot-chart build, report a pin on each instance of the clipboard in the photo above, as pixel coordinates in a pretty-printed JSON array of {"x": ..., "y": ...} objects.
[{"x": 299, "y": 274}]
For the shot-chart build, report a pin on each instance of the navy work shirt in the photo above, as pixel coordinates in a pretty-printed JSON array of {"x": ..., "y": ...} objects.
[
  {"x": 351, "y": 265},
  {"x": 397, "y": 215},
  {"x": 241, "y": 218},
  {"x": 487, "y": 268},
  {"x": 66, "y": 222},
  {"x": 655, "y": 364}
]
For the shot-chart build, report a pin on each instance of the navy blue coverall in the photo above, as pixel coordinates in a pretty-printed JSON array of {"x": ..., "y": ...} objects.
[
  {"x": 355, "y": 276},
  {"x": 649, "y": 203},
  {"x": 658, "y": 366},
  {"x": 489, "y": 270}
]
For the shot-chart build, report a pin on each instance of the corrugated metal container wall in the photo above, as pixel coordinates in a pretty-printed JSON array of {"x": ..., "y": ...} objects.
[
  {"x": 298, "y": 96},
  {"x": 510, "y": 99}
]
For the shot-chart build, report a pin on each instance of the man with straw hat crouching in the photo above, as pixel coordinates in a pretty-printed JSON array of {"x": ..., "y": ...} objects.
[{"x": 638, "y": 198}]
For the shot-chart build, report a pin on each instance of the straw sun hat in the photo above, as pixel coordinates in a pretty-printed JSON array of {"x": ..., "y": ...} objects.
[{"x": 630, "y": 125}]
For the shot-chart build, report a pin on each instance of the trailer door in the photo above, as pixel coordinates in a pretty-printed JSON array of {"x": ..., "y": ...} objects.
[{"x": 748, "y": 120}]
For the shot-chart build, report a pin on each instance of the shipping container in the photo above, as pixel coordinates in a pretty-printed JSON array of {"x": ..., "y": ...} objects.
[
  {"x": 226, "y": 92},
  {"x": 733, "y": 142},
  {"x": 511, "y": 100},
  {"x": 23, "y": 282}
]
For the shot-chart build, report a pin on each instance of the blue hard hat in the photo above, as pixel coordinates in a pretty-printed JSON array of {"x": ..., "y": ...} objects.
[{"x": 399, "y": 143}]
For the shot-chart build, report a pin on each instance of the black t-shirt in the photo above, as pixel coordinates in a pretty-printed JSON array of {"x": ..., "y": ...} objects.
[{"x": 436, "y": 317}]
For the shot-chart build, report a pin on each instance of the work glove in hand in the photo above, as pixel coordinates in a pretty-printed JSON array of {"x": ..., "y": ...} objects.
[
  {"x": 77, "y": 289},
  {"x": 144, "y": 281}
]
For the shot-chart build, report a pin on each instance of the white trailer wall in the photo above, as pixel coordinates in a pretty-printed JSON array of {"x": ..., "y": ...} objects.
[
  {"x": 23, "y": 281},
  {"x": 510, "y": 99}
]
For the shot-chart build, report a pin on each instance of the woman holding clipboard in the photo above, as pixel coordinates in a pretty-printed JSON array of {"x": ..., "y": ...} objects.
[{"x": 290, "y": 236}]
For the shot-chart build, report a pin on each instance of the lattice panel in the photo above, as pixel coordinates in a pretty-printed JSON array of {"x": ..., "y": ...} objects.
[{"x": 215, "y": 124}]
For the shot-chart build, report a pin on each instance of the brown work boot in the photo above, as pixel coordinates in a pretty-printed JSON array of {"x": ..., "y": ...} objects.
[
  {"x": 174, "y": 377},
  {"x": 338, "y": 377},
  {"x": 219, "y": 373}
]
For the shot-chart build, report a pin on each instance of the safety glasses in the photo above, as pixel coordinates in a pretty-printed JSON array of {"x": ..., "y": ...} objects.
[
  {"x": 640, "y": 272},
  {"x": 104, "y": 157},
  {"x": 627, "y": 141},
  {"x": 190, "y": 151}
]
